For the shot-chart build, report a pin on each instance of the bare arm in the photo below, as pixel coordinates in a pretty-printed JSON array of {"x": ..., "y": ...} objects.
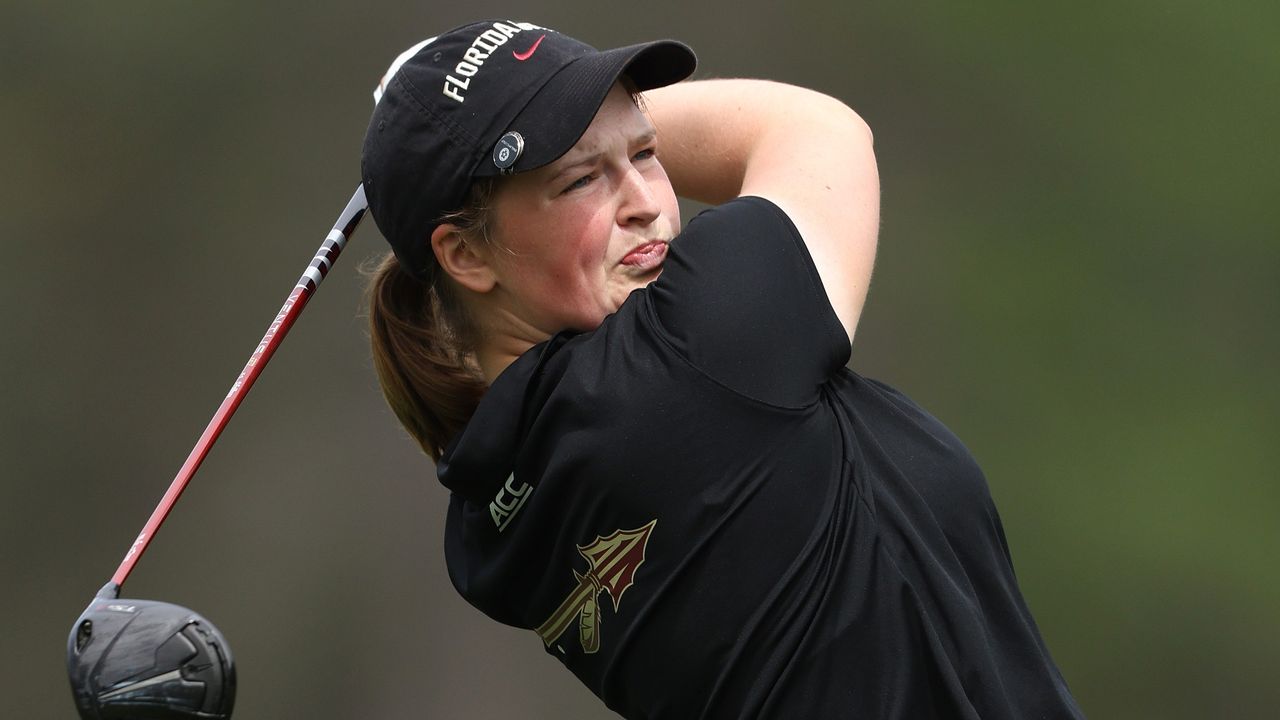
[{"x": 808, "y": 153}]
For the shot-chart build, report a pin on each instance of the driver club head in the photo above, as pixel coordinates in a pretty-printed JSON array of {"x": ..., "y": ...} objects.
[{"x": 148, "y": 659}]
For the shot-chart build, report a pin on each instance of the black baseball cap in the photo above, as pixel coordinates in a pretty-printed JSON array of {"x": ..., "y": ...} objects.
[{"x": 485, "y": 99}]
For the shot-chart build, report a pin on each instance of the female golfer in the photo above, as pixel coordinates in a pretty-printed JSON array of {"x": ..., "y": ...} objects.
[{"x": 658, "y": 460}]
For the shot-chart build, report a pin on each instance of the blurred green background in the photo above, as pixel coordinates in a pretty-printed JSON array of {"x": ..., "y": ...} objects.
[{"x": 1078, "y": 273}]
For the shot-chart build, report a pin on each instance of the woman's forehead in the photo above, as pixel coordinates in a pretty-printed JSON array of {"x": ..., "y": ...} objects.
[{"x": 619, "y": 119}]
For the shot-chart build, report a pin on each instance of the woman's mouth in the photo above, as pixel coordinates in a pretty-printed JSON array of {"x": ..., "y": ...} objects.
[{"x": 646, "y": 257}]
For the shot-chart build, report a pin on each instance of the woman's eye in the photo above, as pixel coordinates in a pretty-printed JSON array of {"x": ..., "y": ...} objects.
[
  {"x": 645, "y": 154},
  {"x": 578, "y": 184}
]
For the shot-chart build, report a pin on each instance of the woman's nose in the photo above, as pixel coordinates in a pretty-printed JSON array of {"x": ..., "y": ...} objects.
[{"x": 640, "y": 204}]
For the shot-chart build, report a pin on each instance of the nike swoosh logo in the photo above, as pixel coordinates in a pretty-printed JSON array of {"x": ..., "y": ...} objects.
[{"x": 529, "y": 53}]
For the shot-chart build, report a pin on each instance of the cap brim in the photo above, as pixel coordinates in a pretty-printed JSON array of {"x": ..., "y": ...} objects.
[{"x": 563, "y": 109}]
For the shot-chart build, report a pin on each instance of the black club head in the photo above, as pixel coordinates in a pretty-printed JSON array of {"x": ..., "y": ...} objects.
[{"x": 148, "y": 659}]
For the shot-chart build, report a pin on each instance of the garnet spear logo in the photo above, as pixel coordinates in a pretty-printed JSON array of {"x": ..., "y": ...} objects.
[{"x": 612, "y": 562}]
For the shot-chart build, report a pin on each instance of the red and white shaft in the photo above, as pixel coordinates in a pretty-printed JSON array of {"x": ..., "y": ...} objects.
[{"x": 289, "y": 312}]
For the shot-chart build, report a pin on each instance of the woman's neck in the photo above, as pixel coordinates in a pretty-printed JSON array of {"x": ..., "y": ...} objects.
[{"x": 496, "y": 354}]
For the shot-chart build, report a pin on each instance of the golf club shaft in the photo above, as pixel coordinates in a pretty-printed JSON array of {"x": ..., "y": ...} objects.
[{"x": 302, "y": 292}]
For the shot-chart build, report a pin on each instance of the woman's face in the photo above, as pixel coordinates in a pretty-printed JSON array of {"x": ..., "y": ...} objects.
[{"x": 574, "y": 238}]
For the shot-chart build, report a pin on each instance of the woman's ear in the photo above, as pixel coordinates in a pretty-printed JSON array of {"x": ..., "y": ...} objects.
[{"x": 459, "y": 258}]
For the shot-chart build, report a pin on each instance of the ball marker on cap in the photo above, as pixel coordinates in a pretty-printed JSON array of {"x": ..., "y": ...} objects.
[{"x": 507, "y": 151}]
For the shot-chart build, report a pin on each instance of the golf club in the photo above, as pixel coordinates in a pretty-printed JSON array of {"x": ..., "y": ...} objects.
[{"x": 149, "y": 659}]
